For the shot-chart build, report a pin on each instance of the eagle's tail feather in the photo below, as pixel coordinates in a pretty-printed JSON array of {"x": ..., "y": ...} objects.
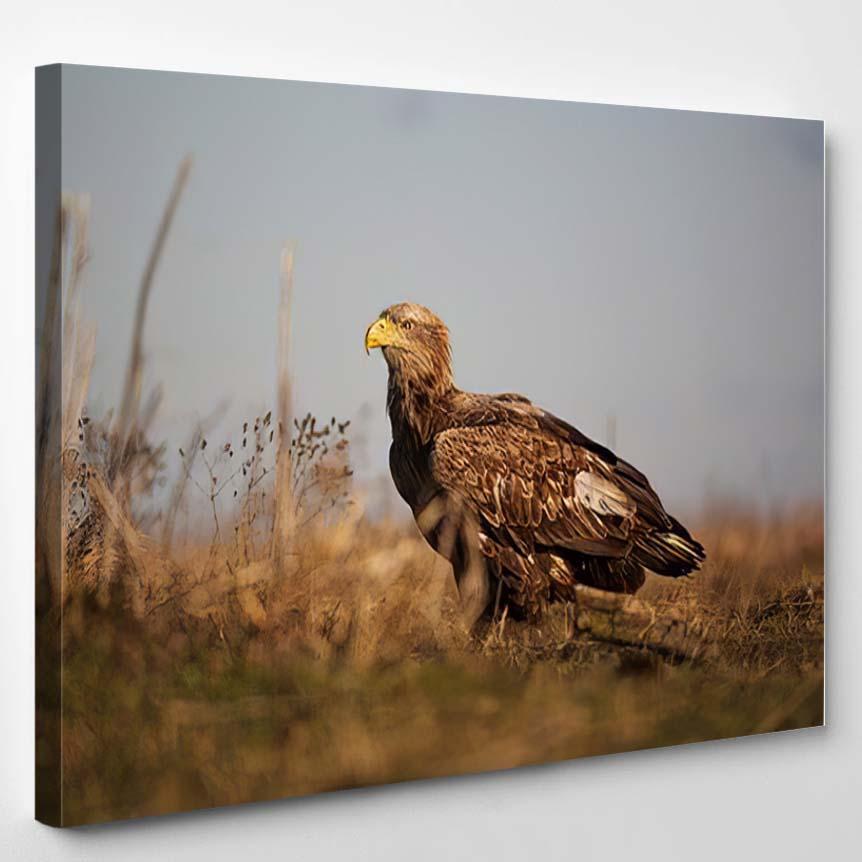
[{"x": 673, "y": 554}]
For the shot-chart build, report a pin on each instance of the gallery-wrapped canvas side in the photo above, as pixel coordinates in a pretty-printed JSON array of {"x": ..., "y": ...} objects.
[{"x": 48, "y": 554}]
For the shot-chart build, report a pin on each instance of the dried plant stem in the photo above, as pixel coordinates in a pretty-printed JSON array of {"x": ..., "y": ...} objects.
[
  {"x": 79, "y": 339},
  {"x": 179, "y": 489},
  {"x": 127, "y": 418},
  {"x": 49, "y": 340},
  {"x": 48, "y": 417},
  {"x": 283, "y": 519}
]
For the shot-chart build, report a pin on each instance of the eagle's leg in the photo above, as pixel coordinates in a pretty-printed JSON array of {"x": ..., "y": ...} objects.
[
  {"x": 471, "y": 577},
  {"x": 449, "y": 528}
]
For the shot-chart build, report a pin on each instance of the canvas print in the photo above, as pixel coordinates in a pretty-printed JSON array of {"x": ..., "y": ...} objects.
[{"x": 388, "y": 435}]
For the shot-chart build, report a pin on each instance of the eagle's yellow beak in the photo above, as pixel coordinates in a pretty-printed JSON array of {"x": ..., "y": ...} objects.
[{"x": 381, "y": 333}]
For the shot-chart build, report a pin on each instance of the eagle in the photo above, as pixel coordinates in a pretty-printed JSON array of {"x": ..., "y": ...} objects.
[{"x": 522, "y": 504}]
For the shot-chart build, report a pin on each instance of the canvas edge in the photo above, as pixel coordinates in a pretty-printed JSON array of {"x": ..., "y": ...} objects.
[{"x": 48, "y": 423}]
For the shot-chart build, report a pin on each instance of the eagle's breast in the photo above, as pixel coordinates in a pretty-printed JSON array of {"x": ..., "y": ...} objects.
[{"x": 411, "y": 472}]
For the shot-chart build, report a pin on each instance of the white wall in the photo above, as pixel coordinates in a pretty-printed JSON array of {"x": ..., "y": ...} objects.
[{"x": 792, "y": 796}]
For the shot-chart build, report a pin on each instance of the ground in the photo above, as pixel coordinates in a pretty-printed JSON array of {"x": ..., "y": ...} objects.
[{"x": 351, "y": 668}]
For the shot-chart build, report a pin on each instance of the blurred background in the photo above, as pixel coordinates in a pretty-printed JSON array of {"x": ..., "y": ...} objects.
[{"x": 653, "y": 276}]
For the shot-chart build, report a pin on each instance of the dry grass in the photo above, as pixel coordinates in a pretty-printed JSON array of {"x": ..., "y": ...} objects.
[
  {"x": 351, "y": 667},
  {"x": 248, "y": 660}
]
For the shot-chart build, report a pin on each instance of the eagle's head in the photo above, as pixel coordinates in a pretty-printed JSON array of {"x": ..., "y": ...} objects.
[{"x": 415, "y": 344}]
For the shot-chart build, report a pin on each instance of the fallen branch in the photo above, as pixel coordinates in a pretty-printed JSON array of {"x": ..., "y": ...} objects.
[{"x": 627, "y": 621}]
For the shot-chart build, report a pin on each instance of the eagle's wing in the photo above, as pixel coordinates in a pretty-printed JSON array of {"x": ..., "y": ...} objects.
[{"x": 533, "y": 488}]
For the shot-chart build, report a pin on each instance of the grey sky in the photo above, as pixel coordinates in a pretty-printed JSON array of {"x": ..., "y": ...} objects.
[{"x": 661, "y": 266}]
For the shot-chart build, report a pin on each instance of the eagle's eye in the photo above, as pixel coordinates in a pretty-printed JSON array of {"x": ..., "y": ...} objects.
[{"x": 407, "y": 325}]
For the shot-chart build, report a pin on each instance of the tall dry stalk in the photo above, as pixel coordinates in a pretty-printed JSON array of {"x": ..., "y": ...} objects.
[
  {"x": 65, "y": 361},
  {"x": 79, "y": 338},
  {"x": 115, "y": 457},
  {"x": 189, "y": 454},
  {"x": 49, "y": 341},
  {"x": 284, "y": 513},
  {"x": 127, "y": 418},
  {"x": 48, "y": 431},
  {"x": 62, "y": 328}
]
